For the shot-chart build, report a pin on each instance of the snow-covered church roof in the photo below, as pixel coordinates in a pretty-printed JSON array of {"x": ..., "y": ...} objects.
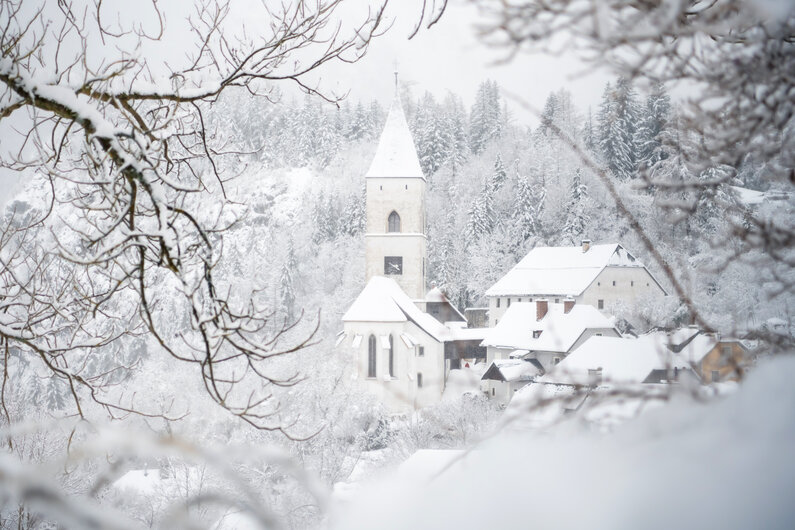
[
  {"x": 565, "y": 271},
  {"x": 382, "y": 300},
  {"x": 396, "y": 155}
]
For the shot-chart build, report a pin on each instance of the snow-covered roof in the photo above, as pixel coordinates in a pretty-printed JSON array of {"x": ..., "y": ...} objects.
[
  {"x": 748, "y": 196},
  {"x": 462, "y": 333},
  {"x": 511, "y": 370},
  {"x": 382, "y": 300},
  {"x": 621, "y": 360},
  {"x": 561, "y": 270},
  {"x": 559, "y": 330},
  {"x": 139, "y": 482},
  {"x": 436, "y": 296},
  {"x": 396, "y": 155}
]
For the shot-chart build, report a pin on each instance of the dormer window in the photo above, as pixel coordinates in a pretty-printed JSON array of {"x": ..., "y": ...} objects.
[
  {"x": 536, "y": 333},
  {"x": 393, "y": 223}
]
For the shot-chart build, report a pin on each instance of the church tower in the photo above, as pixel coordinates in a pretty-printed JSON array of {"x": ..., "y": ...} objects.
[{"x": 396, "y": 245}]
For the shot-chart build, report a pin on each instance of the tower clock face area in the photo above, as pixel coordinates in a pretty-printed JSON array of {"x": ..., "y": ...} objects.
[{"x": 393, "y": 265}]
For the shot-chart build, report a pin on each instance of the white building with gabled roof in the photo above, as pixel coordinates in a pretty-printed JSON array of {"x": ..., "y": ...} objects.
[
  {"x": 545, "y": 332},
  {"x": 597, "y": 275},
  {"x": 398, "y": 350}
]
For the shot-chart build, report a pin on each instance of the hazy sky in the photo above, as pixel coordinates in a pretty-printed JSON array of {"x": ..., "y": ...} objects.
[{"x": 449, "y": 56}]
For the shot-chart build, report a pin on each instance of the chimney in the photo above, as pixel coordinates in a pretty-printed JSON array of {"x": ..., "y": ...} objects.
[
  {"x": 541, "y": 308},
  {"x": 568, "y": 304},
  {"x": 586, "y": 244}
]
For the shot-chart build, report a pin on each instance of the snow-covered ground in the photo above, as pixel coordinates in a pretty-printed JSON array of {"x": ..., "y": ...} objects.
[{"x": 727, "y": 463}]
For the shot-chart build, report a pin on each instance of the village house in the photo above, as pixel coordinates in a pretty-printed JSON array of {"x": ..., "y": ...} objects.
[
  {"x": 656, "y": 357},
  {"x": 545, "y": 331},
  {"x": 503, "y": 377},
  {"x": 542, "y": 334},
  {"x": 597, "y": 275}
]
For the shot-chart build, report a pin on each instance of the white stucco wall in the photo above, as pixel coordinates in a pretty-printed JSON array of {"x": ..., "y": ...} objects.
[
  {"x": 399, "y": 393},
  {"x": 631, "y": 284},
  {"x": 406, "y": 196}
]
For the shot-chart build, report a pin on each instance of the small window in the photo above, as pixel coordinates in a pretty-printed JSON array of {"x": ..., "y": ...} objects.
[
  {"x": 536, "y": 333},
  {"x": 509, "y": 303},
  {"x": 529, "y": 299},
  {"x": 595, "y": 375},
  {"x": 496, "y": 321},
  {"x": 647, "y": 284},
  {"x": 600, "y": 304},
  {"x": 407, "y": 186},
  {"x": 519, "y": 300},
  {"x": 498, "y": 302},
  {"x": 391, "y": 357},
  {"x": 726, "y": 350},
  {"x": 419, "y": 380},
  {"x": 393, "y": 222},
  {"x": 598, "y": 284},
  {"x": 715, "y": 376},
  {"x": 421, "y": 351},
  {"x": 557, "y": 300},
  {"x": 381, "y": 188},
  {"x": 371, "y": 356},
  {"x": 555, "y": 360},
  {"x": 632, "y": 284},
  {"x": 393, "y": 265},
  {"x": 492, "y": 391},
  {"x": 614, "y": 283}
]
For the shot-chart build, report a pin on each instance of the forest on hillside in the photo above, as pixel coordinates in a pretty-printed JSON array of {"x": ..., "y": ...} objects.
[{"x": 174, "y": 271}]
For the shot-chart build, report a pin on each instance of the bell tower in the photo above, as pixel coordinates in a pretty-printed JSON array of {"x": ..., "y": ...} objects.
[{"x": 396, "y": 245}]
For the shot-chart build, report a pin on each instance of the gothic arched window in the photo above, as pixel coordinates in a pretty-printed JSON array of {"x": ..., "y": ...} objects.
[
  {"x": 394, "y": 222},
  {"x": 391, "y": 358},
  {"x": 371, "y": 356}
]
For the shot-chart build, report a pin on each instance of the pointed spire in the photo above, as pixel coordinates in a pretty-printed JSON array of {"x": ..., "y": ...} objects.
[{"x": 396, "y": 155}]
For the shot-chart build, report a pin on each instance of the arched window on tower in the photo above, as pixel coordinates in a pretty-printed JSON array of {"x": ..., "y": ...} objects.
[
  {"x": 391, "y": 357},
  {"x": 371, "y": 356},
  {"x": 393, "y": 222}
]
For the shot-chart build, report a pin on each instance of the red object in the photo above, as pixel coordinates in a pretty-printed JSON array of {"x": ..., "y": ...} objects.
[{"x": 466, "y": 365}]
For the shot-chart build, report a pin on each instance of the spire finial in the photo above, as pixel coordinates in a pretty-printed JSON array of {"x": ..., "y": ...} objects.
[{"x": 396, "y": 76}]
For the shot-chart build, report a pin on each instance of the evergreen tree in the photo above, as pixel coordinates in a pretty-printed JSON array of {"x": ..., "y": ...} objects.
[
  {"x": 653, "y": 120},
  {"x": 618, "y": 116},
  {"x": 527, "y": 210},
  {"x": 455, "y": 120},
  {"x": 551, "y": 108},
  {"x": 577, "y": 219},
  {"x": 485, "y": 122},
  {"x": 361, "y": 126},
  {"x": 499, "y": 175},
  {"x": 286, "y": 285},
  {"x": 588, "y": 136},
  {"x": 354, "y": 216},
  {"x": 481, "y": 214},
  {"x": 429, "y": 135},
  {"x": 326, "y": 217}
]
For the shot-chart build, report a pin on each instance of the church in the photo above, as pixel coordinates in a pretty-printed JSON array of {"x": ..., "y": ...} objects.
[{"x": 402, "y": 339}]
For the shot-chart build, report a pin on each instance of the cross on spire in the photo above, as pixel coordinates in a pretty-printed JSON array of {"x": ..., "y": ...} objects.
[{"x": 396, "y": 75}]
